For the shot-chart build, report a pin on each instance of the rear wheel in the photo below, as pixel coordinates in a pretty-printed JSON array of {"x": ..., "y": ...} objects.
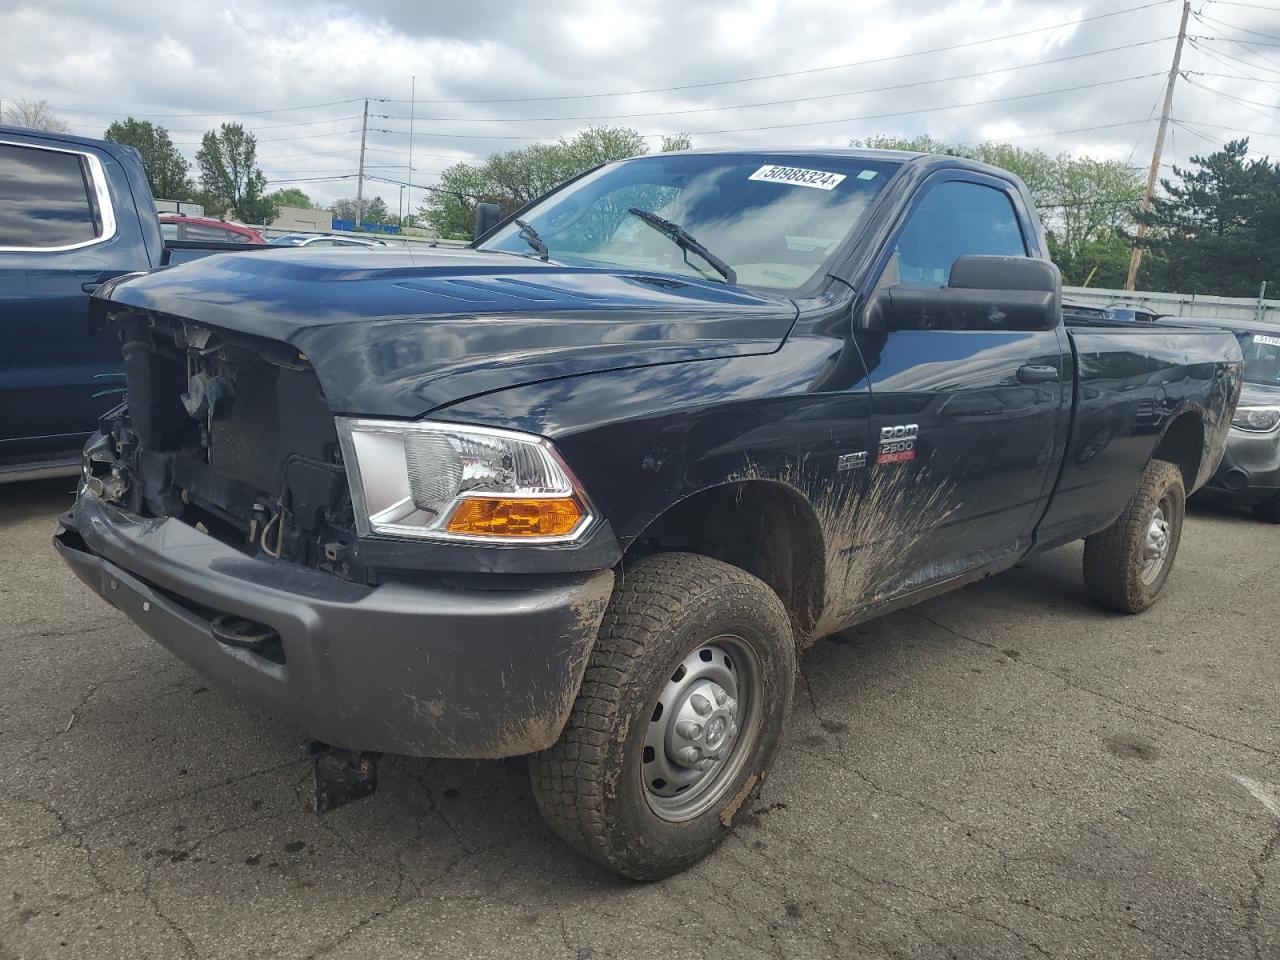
[
  {"x": 679, "y": 718},
  {"x": 1268, "y": 510},
  {"x": 1126, "y": 565}
]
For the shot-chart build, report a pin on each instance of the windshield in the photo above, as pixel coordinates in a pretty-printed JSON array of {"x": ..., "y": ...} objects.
[
  {"x": 774, "y": 219},
  {"x": 289, "y": 239},
  {"x": 1261, "y": 357}
]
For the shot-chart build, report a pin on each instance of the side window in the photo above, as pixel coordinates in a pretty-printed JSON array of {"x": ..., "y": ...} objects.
[
  {"x": 200, "y": 231},
  {"x": 46, "y": 201},
  {"x": 955, "y": 219},
  {"x": 168, "y": 231}
]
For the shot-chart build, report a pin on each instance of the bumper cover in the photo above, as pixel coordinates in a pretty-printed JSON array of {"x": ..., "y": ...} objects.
[
  {"x": 1250, "y": 468},
  {"x": 427, "y": 670}
]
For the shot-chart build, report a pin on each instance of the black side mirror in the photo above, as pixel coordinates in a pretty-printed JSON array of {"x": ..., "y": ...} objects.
[
  {"x": 984, "y": 293},
  {"x": 487, "y": 217}
]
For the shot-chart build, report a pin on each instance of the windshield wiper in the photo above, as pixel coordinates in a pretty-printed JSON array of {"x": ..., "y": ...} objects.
[
  {"x": 685, "y": 241},
  {"x": 531, "y": 237}
]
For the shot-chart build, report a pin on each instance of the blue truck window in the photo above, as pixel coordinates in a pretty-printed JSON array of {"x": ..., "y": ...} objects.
[
  {"x": 956, "y": 219},
  {"x": 45, "y": 201}
]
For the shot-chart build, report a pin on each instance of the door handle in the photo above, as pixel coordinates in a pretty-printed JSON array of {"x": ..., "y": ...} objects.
[{"x": 1037, "y": 373}]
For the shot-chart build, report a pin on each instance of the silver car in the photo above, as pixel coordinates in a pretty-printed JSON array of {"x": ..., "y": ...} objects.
[
  {"x": 1250, "y": 470},
  {"x": 323, "y": 240}
]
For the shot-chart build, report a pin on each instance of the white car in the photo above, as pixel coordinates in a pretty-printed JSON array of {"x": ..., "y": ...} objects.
[{"x": 323, "y": 240}]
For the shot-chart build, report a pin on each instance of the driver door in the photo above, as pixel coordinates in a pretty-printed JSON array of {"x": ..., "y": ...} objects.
[{"x": 967, "y": 426}]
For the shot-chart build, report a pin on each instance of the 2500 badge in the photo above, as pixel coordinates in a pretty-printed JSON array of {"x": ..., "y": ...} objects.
[{"x": 897, "y": 444}]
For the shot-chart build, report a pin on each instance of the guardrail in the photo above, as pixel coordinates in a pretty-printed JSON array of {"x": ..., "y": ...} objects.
[{"x": 1182, "y": 304}]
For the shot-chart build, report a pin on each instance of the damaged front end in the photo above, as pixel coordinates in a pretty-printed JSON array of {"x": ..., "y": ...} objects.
[
  {"x": 215, "y": 513},
  {"x": 228, "y": 433}
]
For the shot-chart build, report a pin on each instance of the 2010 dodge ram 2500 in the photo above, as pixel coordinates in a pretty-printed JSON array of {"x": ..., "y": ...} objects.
[{"x": 584, "y": 490}]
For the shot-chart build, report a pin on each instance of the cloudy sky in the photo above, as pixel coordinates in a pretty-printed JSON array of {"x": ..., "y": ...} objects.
[{"x": 493, "y": 76}]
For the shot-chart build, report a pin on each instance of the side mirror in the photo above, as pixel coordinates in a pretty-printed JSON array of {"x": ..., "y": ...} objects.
[
  {"x": 487, "y": 217},
  {"x": 984, "y": 293}
]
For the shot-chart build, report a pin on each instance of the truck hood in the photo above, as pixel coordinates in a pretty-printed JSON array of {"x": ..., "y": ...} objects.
[{"x": 399, "y": 334}]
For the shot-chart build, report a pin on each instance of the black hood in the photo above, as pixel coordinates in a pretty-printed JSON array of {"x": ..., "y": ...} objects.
[{"x": 398, "y": 334}]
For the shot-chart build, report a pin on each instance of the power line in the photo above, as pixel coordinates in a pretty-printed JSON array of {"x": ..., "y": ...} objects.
[
  {"x": 1233, "y": 129},
  {"x": 1051, "y": 133},
  {"x": 799, "y": 73},
  {"x": 1254, "y": 6},
  {"x": 1202, "y": 17},
  {"x": 1240, "y": 100},
  {"x": 1217, "y": 54},
  {"x": 275, "y": 126},
  {"x": 805, "y": 99},
  {"x": 224, "y": 113},
  {"x": 310, "y": 136},
  {"x": 815, "y": 123}
]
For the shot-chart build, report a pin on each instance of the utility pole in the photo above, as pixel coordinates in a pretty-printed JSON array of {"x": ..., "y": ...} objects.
[
  {"x": 364, "y": 132},
  {"x": 413, "y": 92},
  {"x": 1136, "y": 259}
]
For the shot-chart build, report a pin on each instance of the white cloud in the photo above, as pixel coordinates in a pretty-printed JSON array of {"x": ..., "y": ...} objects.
[{"x": 99, "y": 60}]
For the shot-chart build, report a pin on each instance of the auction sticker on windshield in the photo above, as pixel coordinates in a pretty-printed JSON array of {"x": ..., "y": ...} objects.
[
  {"x": 797, "y": 176},
  {"x": 1264, "y": 339}
]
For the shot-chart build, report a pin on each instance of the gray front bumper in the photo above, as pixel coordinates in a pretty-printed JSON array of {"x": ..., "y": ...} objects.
[
  {"x": 436, "y": 669},
  {"x": 1250, "y": 468}
]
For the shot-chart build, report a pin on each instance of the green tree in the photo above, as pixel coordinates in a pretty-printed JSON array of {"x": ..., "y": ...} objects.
[
  {"x": 344, "y": 209},
  {"x": 375, "y": 211},
  {"x": 516, "y": 177},
  {"x": 229, "y": 173},
  {"x": 1215, "y": 230},
  {"x": 289, "y": 197},
  {"x": 167, "y": 170}
]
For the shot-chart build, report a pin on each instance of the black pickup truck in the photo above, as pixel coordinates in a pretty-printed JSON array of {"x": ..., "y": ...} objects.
[
  {"x": 74, "y": 212},
  {"x": 585, "y": 490}
]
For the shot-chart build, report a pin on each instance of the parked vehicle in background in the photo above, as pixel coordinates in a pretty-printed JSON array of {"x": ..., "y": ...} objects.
[
  {"x": 323, "y": 240},
  {"x": 585, "y": 490},
  {"x": 74, "y": 212},
  {"x": 1078, "y": 311},
  {"x": 1132, "y": 313},
  {"x": 1250, "y": 470},
  {"x": 176, "y": 226}
]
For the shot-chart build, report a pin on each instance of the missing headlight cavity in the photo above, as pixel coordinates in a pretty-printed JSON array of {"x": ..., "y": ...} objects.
[{"x": 232, "y": 432}]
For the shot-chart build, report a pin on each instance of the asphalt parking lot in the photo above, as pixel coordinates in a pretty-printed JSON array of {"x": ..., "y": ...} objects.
[{"x": 1002, "y": 772}]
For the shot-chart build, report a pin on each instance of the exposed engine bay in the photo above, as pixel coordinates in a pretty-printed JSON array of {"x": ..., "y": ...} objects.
[{"x": 231, "y": 434}]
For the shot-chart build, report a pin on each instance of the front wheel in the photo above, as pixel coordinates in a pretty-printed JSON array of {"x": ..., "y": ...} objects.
[
  {"x": 1126, "y": 564},
  {"x": 679, "y": 718}
]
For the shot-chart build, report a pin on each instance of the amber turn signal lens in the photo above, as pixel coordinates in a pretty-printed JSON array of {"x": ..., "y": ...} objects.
[{"x": 515, "y": 518}]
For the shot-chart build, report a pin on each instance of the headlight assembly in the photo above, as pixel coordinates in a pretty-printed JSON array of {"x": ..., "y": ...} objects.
[
  {"x": 1256, "y": 419},
  {"x": 444, "y": 481}
]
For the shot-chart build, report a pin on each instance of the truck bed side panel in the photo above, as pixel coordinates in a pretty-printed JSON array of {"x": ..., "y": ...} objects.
[{"x": 1131, "y": 384}]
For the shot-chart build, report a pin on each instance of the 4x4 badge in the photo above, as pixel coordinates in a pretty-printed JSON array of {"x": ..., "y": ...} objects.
[{"x": 849, "y": 461}]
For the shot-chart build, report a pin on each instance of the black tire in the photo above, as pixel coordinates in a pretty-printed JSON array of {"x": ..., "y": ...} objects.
[
  {"x": 1114, "y": 561},
  {"x": 1268, "y": 510},
  {"x": 591, "y": 785}
]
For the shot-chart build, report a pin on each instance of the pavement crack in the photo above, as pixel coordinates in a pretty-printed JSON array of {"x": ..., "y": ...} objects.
[{"x": 1075, "y": 685}]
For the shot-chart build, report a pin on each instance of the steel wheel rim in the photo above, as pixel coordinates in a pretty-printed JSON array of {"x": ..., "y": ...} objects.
[
  {"x": 1155, "y": 549},
  {"x": 702, "y": 728}
]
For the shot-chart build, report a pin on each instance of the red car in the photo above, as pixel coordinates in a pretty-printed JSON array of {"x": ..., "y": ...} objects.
[{"x": 176, "y": 226}]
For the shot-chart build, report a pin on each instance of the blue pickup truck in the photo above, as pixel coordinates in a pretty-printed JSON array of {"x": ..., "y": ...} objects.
[
  {"x": 74, "y": 213},
  {"x": 585, "y": 490}
]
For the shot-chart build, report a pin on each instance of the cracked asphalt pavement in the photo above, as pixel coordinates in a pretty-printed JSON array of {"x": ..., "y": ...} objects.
[{"x": 1001, "y": 772}]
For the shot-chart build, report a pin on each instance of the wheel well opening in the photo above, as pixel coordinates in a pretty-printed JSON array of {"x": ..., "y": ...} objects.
[
  {"x": 763, "y": 527},
  {"x": 1183, "y": 446}
]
